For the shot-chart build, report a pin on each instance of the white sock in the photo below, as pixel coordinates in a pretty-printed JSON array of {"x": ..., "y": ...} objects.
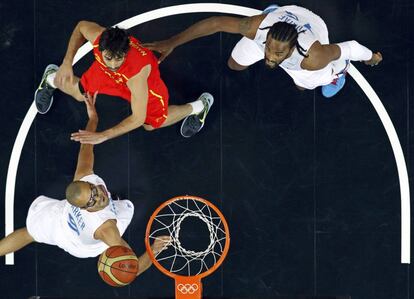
[
  {"x": 51, "y": 79},
  {"x": 197, "y": 106}
]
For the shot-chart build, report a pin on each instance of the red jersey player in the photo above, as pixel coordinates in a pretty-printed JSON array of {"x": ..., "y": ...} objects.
[{"x": 125, "y": 69}]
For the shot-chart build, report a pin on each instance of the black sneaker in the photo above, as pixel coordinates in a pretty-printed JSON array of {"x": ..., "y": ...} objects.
[
  {"x": 44, "y": 94},
  {"x": 192, "y": 124}
]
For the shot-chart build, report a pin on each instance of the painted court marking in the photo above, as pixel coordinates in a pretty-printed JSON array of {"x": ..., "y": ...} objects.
[{"x": 242, "y": 11}]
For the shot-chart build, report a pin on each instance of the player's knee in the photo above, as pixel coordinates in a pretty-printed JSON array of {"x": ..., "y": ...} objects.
[
  {"x": 233, "y": 65},
  {"x": 148, "y": 128}
]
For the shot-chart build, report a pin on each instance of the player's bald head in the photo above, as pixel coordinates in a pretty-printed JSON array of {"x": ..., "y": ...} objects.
[{"x": 77, "y": 193}]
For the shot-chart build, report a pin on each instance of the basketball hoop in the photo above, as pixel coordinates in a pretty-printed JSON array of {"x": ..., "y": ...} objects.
[{"x": 188, "y": 266}]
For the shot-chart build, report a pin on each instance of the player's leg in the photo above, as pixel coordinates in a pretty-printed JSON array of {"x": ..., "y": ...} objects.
[
  {"x": 15, "y": 241},
  {"x": 194, "y": 115},
  {"x": 72, "y": 88},
  {"x": 177, "y": 113},
  {"x": 338, "y": 68},
  {"x": 44, "y": 94}
]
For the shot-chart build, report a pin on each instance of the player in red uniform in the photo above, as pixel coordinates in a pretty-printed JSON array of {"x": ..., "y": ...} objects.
[{"x": 125, "y": 69}]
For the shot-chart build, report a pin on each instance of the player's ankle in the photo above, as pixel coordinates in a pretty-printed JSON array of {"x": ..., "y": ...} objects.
[
  {"x": 50, "y": 79},
  {"x": 197, "y": 107}
]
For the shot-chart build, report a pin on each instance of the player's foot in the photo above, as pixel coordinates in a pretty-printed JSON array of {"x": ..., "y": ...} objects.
[
  {"x": 44, "y": 94},
  {"x": 270, "y": 8},
  {"x": 192, "y": 124},
  {"x": 336, "y": 85}
]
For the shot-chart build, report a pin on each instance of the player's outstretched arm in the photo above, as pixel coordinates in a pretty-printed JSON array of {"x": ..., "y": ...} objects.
[
  {"x": 244, "y": 26},
  {"x": 139, "y": 98},
  {"x": 15, "y": 241},
  {"x": 138, "y": 85},
  {"x": 85, "y": 163},
  {"x": 109, "y": 234}
]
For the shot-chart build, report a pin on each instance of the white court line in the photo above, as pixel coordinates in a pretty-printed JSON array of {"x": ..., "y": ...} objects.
[
  {"x": 243, "y": 11},
  {"x": 399, "y": 159}
]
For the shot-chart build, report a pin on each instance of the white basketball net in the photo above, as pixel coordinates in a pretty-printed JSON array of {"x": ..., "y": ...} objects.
[{"x": 176, "y": 258}]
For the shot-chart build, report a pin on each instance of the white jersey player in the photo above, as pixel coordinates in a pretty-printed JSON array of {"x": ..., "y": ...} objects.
[
  {"x": 85, "y": 223},
  {"x": 73, "y": 228},
  {"x": 291, "y": 37}
]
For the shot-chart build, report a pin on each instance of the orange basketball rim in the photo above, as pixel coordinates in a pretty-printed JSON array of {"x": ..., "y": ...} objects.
[{"x": 187, "y": 267}]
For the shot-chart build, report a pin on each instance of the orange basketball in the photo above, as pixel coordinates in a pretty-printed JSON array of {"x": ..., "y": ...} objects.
[{"x": 118, "y": 266}]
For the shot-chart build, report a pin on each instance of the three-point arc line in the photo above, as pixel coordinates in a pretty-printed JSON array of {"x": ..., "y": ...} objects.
[{"x": 242, "y": 11}]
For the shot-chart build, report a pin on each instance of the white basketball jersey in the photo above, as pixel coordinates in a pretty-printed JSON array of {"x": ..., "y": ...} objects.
[
  {"x": 82, "y": 224},
  {"x": 57, "y": 222},
  {"x": 312, "y": 26}
]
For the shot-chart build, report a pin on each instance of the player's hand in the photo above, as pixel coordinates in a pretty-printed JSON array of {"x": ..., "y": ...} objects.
[
  {"x": 64, "y": 75},
  {"x": 160, "y": 244},
  {"x": 376, "y": 58},
  {"x": 90, "y": 105},
  {"x": 86, "y": 137},
  {"x": 164, "y": 47}
]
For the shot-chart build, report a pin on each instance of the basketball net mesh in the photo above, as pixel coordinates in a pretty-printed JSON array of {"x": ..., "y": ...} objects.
[{"x": 177, "y": 259}]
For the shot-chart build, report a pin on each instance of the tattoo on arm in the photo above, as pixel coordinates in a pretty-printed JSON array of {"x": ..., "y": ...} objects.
[{"x": 244, "y": 26}]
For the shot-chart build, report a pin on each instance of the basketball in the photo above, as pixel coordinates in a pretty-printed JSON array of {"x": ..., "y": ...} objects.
[{"x": 118, "y": 266}]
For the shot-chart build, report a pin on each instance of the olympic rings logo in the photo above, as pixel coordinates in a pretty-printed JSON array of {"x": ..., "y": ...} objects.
[{"x": 187, "y": 288}]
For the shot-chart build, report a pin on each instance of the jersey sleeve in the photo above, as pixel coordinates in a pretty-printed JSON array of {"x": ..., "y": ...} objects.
[{"x": 138, "y": 58}]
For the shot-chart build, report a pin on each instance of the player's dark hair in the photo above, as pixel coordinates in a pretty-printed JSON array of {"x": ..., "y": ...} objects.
[
  {"x": 115, "y": 41},
  {"x": 285, "y": 32}
]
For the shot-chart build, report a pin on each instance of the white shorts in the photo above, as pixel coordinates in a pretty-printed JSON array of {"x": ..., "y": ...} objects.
[{"x": 44, "y": 224}]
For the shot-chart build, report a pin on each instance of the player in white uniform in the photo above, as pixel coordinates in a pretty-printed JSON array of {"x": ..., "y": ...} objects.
[
  {"x": 88, "y": 221},
  {"x": 291, "y": 37}
]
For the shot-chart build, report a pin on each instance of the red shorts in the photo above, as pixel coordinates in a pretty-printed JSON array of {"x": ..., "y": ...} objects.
[{"x": 94, "y": 79}]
